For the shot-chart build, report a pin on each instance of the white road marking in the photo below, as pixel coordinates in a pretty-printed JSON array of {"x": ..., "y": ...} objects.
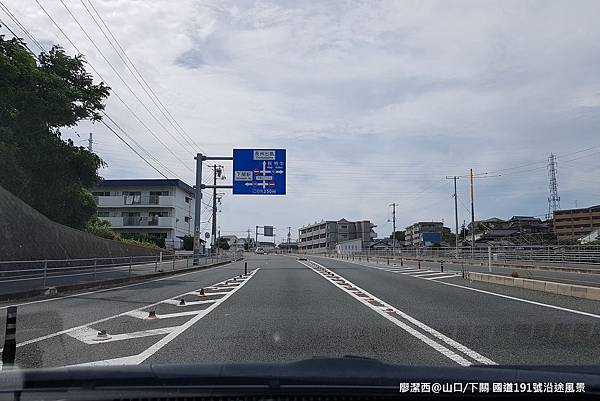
[
  {"x": 171, "y": 301},
  {"x": 381, "y": 311},
  {"x": 192, "y": 303},
  {"x": 575, "y": 311},
  {"x": 578, "y": 312},
  {"x": 139, "y": 314},
  {"x": 207, "y": 293},
  {"x": 141, "y": 357},
  {"x": 418, "y": 273},
  {"x": 180, "y": 314},
  {"x": 442, "y": 277},
  {"x": 114, "y": 288},
  {"x": 144, "y": 315},
  {"x": 177, "y": 302},
  {"x": 88, "y": 335},
  {"x": 429, "y": 274},
  {"x": 95, "y": 322}
]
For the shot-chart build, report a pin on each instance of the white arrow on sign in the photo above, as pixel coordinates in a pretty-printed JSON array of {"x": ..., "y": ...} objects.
[
  {"x": 264, "y": 172},
  {"x": 278, "y": 171}
]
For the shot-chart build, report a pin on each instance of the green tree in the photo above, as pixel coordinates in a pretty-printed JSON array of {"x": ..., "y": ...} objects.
[
  {"x": 37, "y": 98},
  {"x": 449, "y": 237},
  {"x": 399, "y": 236},
  {"x": 223, "y": 243},
  {"x": 188, "y": 242},
  {"x": 101, "y": 228}
]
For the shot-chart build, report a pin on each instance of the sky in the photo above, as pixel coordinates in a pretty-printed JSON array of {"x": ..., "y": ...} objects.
[{"x": 376, "y": 102}]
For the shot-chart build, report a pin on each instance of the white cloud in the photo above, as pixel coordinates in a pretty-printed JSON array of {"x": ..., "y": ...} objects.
[{"x": 375, "y": 101}]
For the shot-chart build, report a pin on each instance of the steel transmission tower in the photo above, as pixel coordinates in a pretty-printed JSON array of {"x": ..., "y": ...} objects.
[{"x": 553, "y": 199}]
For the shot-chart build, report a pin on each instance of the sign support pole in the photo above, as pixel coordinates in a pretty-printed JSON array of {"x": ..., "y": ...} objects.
[{"x": 197, "y": 208}]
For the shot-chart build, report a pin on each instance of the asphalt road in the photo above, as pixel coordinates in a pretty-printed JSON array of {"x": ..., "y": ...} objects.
[{"x": 286, "y": 310}]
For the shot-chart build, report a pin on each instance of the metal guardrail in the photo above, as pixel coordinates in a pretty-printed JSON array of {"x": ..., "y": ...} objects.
[
  {"x": 39, "y": 272},
  {"x": 575, "y": 255}
]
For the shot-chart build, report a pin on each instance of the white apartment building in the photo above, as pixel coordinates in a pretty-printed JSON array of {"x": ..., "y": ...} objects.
[
  {"x": 160, "y": 208},
  {"x": 349, "y": 247}
]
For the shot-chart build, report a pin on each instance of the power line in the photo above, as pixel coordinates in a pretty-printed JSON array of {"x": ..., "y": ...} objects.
[
  {"x": 130, "y": 147},
  {"x": 16, "y": 36},
  {"x": 21, "y": 26},
  {"x": 182, "y": 131},
  {"x": 114, "y": 91},
  {"x": 138, "y": 145},
  {"x": 107, "y": 116},
  {"x": 120, "y": 76}
]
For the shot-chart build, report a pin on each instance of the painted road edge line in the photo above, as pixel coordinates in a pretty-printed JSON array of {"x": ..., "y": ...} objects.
[{"x": 381, "y": 311}]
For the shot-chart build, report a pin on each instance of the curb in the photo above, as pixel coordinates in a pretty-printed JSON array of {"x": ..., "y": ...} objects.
[
  {"x": 571, "y": 290},
  {"x": 54, "y": 291}
]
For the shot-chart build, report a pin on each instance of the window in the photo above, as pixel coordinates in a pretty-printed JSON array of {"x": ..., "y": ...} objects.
[
  {"x": 101, "y": 193},
  {"x": 103, "y": 213},
  {"x": 187, "y": 219},
  {"x": 158, "y": 214},
  {"x": 159, "y": 193},
  {"x": 188, "y": 199},
  {"x": 132, "y": 198}
]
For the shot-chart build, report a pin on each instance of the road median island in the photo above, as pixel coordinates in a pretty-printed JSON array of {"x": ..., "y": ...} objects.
[
  {"x": 577, "y": 291},
  {"x": 63, "y": 289}
]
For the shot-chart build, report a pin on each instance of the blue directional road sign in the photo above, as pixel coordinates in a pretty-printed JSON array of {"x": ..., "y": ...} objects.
[{"x": 259, "y": 171}]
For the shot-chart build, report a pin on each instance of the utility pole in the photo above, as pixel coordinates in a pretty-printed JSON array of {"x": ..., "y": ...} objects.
[
  {"x": 217, "y": 170},
  {"x": 289, "y": 237},
  {"x": 455, "y": 212},
  {"x": 90, "y": 142},
  {"x": 197, "y": 208},
  {"x": 393, "y": 205},
  {"x": 472, "y": 216}
]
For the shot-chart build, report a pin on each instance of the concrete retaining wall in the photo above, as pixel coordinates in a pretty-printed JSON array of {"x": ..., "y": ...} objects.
[
  {"x": 578, "y": 291},
  {"x": 26, "y": 234}
]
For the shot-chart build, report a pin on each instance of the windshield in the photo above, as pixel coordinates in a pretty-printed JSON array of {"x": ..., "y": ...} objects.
[{"x": 236, "y": 181}]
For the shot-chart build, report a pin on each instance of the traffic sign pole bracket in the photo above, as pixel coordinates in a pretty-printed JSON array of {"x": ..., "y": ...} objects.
[
  {"x": 217, "y": 157},
  {"x": 217, "y": 186}
]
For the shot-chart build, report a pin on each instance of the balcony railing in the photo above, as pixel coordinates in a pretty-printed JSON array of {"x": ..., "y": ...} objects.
[
  {"x": 138, "y": 221},
  {"x": 132, "y": 200}
]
